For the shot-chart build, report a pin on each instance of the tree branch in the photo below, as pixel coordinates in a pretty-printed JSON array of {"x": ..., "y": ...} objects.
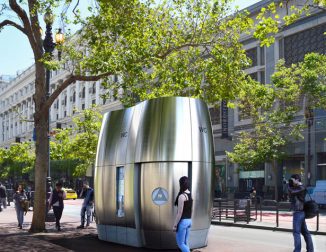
[
  {"x": 177, "y": 48},
  {"x": 11, "y": 23},
  {"x": 24, "y": 18},
  {"x": 71, "y": 79}
]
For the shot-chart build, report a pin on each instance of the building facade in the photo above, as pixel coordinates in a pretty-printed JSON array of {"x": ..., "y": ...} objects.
[
  {"x": 291, "y": 44},
  {"x": 17, "y": 105}
]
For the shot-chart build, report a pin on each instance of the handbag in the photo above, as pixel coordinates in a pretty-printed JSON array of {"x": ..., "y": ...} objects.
[{"x": 310, "y": 208}]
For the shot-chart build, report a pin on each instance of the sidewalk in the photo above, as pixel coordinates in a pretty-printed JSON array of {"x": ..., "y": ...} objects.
[{"x": 221, "y": 238}]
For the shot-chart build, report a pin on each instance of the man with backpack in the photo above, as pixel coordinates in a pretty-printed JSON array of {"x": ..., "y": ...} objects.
[{"x": 297, "y": 194}]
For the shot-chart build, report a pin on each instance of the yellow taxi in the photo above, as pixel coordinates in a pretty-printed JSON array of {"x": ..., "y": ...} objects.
[{"x": 70, "y": 193}]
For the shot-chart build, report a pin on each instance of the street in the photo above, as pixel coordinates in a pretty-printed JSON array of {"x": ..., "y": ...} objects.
[{"x": 221, "y": 238}]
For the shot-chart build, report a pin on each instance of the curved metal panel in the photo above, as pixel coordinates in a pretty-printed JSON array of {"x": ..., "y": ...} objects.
[
  {"x": 113, "y": 136},
  {"x": 148, "y": 139},
  {"x": 124, "y": 131},
  {"x": 175, "y": 140},
  {"x": 202, "y": 135},
  {"x": 202, "y": 195},
  {"x": 100, "y": 154},
  {"x": 133, "y": 132}
]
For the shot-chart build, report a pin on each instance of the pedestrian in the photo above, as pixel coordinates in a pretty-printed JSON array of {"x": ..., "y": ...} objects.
[
  {"x": 3, "y": 196},
  {"x": 56, "y": 202},
  {"x": 87, "y": 207},
  {"x": 20, "y": 198},
  {"x": 182, "y": 223},
  {"x": 297, "y": 193}
]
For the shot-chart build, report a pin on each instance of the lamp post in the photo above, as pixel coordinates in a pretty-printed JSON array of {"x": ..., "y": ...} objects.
[{"x": 49, "y": 47}]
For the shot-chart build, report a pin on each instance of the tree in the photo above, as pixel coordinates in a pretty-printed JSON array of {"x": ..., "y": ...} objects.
[
  {"x": 28, "y": 13},
  {"x": 79, "y": 142},
  {"x": 273, "y": 109},
  {"x": 17, "y": 160}
]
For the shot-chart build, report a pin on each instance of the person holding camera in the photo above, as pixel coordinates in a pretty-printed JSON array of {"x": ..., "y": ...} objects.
[
  {"x": 297, "y": 193},
  {"x": 20, "y": 198}
]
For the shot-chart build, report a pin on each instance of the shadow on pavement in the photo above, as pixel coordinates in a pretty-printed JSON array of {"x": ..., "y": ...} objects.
[{"x": 90, "y": 242}]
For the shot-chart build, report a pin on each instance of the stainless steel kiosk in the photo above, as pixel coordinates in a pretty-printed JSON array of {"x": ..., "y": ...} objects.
[{"x": 142, "y": 153}]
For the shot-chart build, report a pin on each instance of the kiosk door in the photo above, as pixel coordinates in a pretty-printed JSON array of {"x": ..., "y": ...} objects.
[{"x": 159, "y": 186}]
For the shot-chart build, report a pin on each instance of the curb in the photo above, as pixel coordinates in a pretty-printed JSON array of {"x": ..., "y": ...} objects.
[{"x": 230, "y": 224}]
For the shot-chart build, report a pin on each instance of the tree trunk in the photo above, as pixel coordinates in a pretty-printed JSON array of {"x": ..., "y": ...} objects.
[{"x": 41, "y": 150}]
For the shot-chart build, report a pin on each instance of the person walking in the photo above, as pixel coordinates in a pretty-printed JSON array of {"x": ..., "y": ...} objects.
[
  {"x": 182, "y": 223},
  {"x": 56, "y": 202},
  {"x": 88, "y": 194},
  {"x": 297, "y": 193},
  {"x": 19, "y": 198},
  {"x": 3, "y": 196}
]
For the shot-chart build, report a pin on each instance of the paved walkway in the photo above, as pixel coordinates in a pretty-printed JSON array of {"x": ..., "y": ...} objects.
[{"x": 221, "y": 238}]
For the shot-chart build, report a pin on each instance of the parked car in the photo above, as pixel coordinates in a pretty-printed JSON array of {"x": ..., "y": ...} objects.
[
  {"x": 70, "y": 193},
  {"x": 319, "y": 194}
]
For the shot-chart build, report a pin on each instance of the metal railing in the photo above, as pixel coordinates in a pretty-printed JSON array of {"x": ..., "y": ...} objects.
[{"x": 247, "y": 210}]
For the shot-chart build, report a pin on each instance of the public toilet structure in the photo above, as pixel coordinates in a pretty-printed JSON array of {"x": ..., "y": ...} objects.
[{"x": 142, "y": 153}]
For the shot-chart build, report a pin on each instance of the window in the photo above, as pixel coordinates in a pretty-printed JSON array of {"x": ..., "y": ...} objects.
[
  {"x": 94, "y": 88},
  {"x": 74, "y": 97},
  {"x": 262, "y": 56},
  {"x": 93, "y": 102},
  {"x": 83, "y": 106},
  {"x": 83, "y": 92},
  {"x": 120, "y": 184},
  {"x": 252, "y": 55},
  {"x": 215, "y": 115},
  {"x": 301, "y": 43}
]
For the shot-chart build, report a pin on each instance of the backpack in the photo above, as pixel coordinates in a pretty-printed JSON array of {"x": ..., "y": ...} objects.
[{"x": 310, "y": 208}]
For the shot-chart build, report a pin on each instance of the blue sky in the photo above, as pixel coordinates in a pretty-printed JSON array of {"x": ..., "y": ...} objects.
[{"x": 16, "y": 54}]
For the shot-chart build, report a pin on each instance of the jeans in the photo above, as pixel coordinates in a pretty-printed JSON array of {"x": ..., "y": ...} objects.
[
  {"x": 20, "y": 215},
  {"x": 183, "y": 234},
  {"x": 4, "y": 202},
  {"x": 57, "y": 213},
  {"x": 88, "y": 210},
  {"x": 299, "y": 226}
]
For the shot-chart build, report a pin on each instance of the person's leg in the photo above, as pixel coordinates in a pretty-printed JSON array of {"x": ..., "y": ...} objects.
[
  {"x": 56, "y": 214},
  {"x": 17, "y": 214},
  {"x": 82, "y": 217},
  {"x": 181, "y": 236},
  {"x": 188, "y": 231},
  {"x": 88, "y": 214},
  {"x": 21, "y": 217},
  {"x": 4, "y": 203},
  {"x": 297, "y": 222},
  {"x": 307, "y": 237}
]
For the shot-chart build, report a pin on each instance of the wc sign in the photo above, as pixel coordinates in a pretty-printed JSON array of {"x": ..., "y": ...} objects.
[{"x": 160, "y": 196}]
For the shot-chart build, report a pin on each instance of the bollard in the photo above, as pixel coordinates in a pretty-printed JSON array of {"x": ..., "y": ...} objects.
[
  {"x": 248, "y": 210},
  {"x": 220, "y": 209},
  {"x": 277, "y": 214},
  {"x": 317, "y": 228}
]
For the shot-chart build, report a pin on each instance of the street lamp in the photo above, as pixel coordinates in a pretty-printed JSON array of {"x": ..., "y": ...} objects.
[{"x": 49, "y": 47}]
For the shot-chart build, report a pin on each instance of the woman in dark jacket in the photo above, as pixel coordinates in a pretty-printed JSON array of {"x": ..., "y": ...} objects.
[
  {"x": 19, "y": 198},
  {"x": 297, "y": 194},
  {"x": 56, "y": 202},
  {"x": 182, "y": 223}
]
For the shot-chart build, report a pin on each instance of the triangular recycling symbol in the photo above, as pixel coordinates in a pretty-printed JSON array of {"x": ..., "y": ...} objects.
[{"x": 160, "y": 196}]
